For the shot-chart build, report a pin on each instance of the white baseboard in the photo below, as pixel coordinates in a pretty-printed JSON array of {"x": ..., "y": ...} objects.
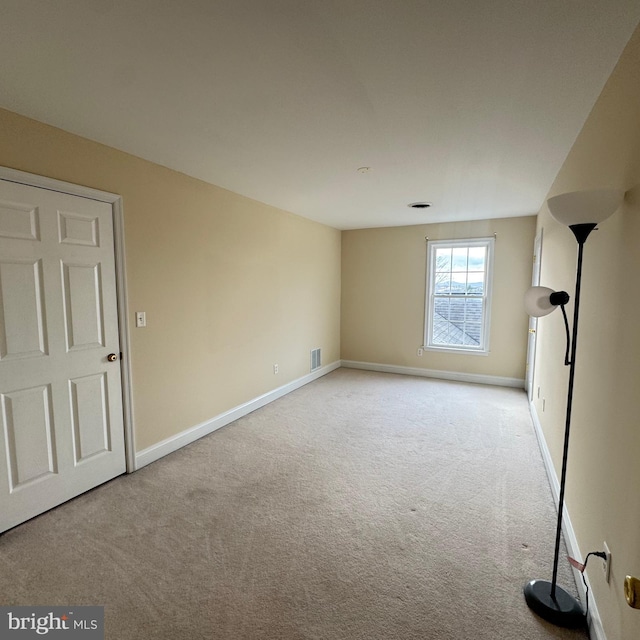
[
  {"x": 433, "y": 373},
  {"x": 161, "y": 449},
  {"x": 596, "y": 629}
]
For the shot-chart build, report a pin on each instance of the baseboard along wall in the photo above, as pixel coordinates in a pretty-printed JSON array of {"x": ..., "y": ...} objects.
[
  {"x": 434, "y": 373},
  {"x": 596, "y": 630},
  {"x": 161, "y": 449}
]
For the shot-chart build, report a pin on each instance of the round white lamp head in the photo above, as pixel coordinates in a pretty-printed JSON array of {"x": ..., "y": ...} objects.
[
  {"x": 585, "y": 207},
  {"x": 537, "y": 301}
]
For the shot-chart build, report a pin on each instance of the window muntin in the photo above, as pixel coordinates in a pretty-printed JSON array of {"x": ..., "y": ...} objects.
[{"x": 458, "y": 295}]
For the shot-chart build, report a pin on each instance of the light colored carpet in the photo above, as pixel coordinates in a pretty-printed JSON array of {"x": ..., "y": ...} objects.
[{"x": 362, "y": 506}]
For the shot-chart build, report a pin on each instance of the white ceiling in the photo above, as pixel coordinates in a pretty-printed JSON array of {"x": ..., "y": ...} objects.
[{"x": 470, "y": 105}]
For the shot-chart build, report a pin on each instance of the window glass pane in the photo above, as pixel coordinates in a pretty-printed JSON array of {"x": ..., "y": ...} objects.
[
  {"x": 443, "y": 260},
  {"x": 473, "y": 310},
  {"x": 441, "y": 307},
  {"x": 442, "y": 283},
  {"x": 456, "y": 311},
  {"x": 459, "y": 259},
  {"x": 475, "y": 283},
  {"x": 477, "y": 258},
  {"x": 440, "y": 330},
  {"x": 472, "y": 335},
  {"x": 451, "y": 327},
  {"x": 458, "y": 283},
  {"x": 455, "y": 337}
]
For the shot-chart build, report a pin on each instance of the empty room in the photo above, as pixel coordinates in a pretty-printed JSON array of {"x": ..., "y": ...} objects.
[{"x": 318, "y": 320}]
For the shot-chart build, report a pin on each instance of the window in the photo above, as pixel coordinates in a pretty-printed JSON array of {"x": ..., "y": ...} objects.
[{"x": 458, "y": 299}]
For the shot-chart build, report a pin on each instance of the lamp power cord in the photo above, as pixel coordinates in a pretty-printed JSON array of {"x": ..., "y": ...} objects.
[{"x": 582, "y": 567}]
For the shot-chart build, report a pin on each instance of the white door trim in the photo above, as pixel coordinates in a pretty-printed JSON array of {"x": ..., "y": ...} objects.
[
  {"x": 30, "y": 179},
  {"x": 533, "y": 322}
]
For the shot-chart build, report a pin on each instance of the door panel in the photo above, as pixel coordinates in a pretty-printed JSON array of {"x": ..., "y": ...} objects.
[
  {"x": 90, "y": 416},
  {"x": 61, "y": 421},
  {"x": 22, "y": 325},
  {"x": 18, "y": 221},
  {"x": 29, "y": 422},
  {"x": 78, "y": 229},
  {"x": 82, "y": 291}
]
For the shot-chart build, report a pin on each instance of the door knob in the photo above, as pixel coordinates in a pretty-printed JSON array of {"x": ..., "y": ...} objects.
[
  {"x": 632, "y": 591},
  {"x": 112, "y": 357}
]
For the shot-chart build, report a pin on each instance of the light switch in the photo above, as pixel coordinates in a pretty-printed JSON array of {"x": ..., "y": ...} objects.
[{"x": 141, "y": 319}]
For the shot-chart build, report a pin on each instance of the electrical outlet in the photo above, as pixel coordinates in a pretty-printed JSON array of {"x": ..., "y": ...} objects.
[
  {"x": 420, "y": 351},
  {"x": 606, "y": 564},
  {"x": 275, "y": 368}
]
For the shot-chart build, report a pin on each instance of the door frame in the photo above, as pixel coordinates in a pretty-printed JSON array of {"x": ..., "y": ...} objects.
[
  {"x": 51, "y": 184},
  {"x": 532, "y": 338}
]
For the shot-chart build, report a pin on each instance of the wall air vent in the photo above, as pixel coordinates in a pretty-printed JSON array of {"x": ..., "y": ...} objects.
[{"x": 316, "y": 359}]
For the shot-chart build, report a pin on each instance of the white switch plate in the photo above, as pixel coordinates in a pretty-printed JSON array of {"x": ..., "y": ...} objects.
[
  {"x": 141, "y": 319},
  {"x": 606, "y": 568}
]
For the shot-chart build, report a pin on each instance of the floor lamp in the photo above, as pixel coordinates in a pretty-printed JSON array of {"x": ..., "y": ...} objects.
[{"x": 581, "y": 211}]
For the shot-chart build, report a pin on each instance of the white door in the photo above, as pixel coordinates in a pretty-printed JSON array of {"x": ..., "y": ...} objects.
[
  {"x": 61, "y": 420},
  {"x": 533, "y": 322}
]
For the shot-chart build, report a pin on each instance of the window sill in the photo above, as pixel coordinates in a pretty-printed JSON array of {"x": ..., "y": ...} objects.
[{"x": 464, "y": 352}]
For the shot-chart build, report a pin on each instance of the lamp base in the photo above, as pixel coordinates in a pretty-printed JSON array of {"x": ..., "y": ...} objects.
[{"x": 563, "y": 610}]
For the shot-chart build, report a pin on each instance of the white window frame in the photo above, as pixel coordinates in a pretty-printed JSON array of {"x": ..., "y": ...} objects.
[{"x": 430, "y": 296}]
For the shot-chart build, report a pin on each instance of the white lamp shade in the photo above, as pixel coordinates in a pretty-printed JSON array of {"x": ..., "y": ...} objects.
[
  {"x": 584, "y": 207},
  {"x": 537, "y": 301}
]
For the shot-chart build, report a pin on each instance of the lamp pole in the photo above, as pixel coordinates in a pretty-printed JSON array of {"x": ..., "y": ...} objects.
[
  {"x": 581, "y": 238},
  {"x": 548, "y": 600}
]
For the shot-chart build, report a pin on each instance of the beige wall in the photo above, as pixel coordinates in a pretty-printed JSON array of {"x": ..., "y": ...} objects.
[
  {"x": 604, "y": 468},
  {"x": 230, "y": 286},
  {"x": 383, "y": 296}
]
